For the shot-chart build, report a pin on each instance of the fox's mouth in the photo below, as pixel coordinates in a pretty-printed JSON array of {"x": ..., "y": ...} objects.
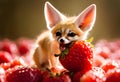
[{"x": 63, "y": 46}]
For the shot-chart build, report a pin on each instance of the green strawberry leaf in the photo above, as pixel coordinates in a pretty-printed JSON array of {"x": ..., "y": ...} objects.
[
  {"x": 90, "y": 39},
  {"x": 65, "y": 52},
  {"x": 62, "y": 55}
]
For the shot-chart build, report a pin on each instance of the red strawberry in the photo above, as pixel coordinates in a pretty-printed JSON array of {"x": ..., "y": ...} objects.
[
  {"x": 59, "y": 78},
  {"x": 23, "y": 48},
  {"x": 94, "y": 75},
  {"x": 25, "y": 45},
  {"x": 55, "y": 75},
  {"x": 113, "y": 75},
  {"x": 23, "y": 74},
  {"x": 5, "y": 66},
  {"x": 5, "y": 57},
  {"x": 12, "y": 64},
  {"x": 109, "y": 65},
  {"x": 76, "y": 77},
  {"x": 77, "y": 57},
  {"x": 9, "y": 46},
  {"x": 98, "y": 60}
]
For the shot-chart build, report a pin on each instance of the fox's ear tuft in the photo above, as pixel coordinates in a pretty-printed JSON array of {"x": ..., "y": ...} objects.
[
  {"x": 52, "y": 15},
  {"x": 86, "y": 19}
]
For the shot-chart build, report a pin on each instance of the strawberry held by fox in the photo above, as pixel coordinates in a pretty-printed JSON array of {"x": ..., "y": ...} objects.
[{"x": 62, "y": 30}]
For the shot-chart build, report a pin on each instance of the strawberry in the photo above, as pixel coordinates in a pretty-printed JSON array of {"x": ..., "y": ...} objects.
[
  {"x": 5, "y": 57},
  {"x": 95, "y": 75},
  {"x": 77, "y": 56},
  {"x": 76, "y": 77},
  {"x": 9, "y": 46},
  {"x": 12, "y": 64},
  {"x": 25, "y": 46},
  {"x": 23, "y": 74},
  {"x": 109, "y": 65},
  {"x": 55, "y": 75},
  {"x": 98, "y": 60},
  {"x": 57, "y": 78},
  {"x": 113, "y": 75}
]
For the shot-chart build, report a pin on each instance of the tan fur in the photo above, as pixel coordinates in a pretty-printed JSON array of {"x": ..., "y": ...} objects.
[
  {"x": 69, "y": 24},
  {"x": 45, "y": 51}
]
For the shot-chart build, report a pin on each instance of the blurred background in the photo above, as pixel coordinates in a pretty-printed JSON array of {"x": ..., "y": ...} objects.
[{"x": 25, "y": 18}]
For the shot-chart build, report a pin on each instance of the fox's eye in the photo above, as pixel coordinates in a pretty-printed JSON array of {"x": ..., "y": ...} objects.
[
  {"x": 58, "y": 33},
  {"x": 72, "y": 34}
]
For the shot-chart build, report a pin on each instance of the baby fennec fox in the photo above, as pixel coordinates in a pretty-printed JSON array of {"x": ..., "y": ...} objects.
[{"x": 62, "y": 30}]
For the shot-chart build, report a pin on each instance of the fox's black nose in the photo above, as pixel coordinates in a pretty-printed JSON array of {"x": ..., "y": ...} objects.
[{"x": 61, "y": 40}]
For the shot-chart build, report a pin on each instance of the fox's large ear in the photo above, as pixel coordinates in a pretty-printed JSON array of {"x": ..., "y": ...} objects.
[
  {"x": 52, "y": 15},
  {"x": 86, "y": 19}
]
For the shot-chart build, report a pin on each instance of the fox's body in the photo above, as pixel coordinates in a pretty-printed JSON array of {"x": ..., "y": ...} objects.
[
  {"x": 45, "y": 45},
  {"x": 62, "y": 30}
]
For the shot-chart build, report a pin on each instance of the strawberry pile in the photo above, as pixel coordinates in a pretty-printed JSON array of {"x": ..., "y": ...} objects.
[
  {"x": 15, "y": 54},
  {"x": 81, "y": 62},
  {"x": 107, "y": 57}
]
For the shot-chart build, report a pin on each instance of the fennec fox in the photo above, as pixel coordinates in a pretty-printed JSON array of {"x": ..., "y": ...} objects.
[{"x": 62, "y": 30}]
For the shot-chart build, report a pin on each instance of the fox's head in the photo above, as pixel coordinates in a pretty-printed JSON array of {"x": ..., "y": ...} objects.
[{"x": 67, "y": 29}]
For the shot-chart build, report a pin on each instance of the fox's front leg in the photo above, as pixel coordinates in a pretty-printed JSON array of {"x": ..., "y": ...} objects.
[
  {"x": 40, "y": 59},
  {"x": 54, "y": 61}
]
